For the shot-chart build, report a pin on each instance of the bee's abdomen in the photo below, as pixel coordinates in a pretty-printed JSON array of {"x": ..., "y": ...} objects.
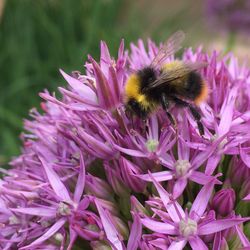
[
  {"x": 193, "y": 85},
  {"x": 196, "y": 88}
]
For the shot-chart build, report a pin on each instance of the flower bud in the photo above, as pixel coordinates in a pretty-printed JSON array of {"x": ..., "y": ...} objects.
[
  {"x": 231, "y": 237},
  {"x": 120, "y": 227},
  {"x": 238, "y": 172},
  {"x": 116, "y": 182},
  {"x": 99, "y": 245},
  {"x": 98, "y": 187},
  {"x": 244, "y": 189},
  {"x": 224, "y": 245},
  {"x": 223, "y": 202},
  {"x": 137, "y": 207}
]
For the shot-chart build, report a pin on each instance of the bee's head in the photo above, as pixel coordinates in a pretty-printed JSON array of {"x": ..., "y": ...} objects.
[
  {"x": 134, "y": 107},
  {"x": 147, "y": 76}
]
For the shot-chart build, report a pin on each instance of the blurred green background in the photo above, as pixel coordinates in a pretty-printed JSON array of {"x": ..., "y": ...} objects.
[{"x": 39, "y": 37}]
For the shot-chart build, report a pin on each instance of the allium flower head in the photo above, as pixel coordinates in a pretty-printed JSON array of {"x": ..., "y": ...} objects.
[
  {"x": 91, "y": 176},
  {"x": 230, "y": 14}
]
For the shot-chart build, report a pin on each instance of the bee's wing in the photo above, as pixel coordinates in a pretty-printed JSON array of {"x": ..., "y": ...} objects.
[
  {"x": 172, "y": 45},
  {"x": 180, "y": 71}
]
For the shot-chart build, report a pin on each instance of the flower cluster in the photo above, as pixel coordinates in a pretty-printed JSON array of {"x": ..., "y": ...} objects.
[
  {"x": 232, "y": 15},
  {"x": 92, "y": 176}
]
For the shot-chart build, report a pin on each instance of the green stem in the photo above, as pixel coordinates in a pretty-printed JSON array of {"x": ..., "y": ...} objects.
[{"x": 231, "y": 41}]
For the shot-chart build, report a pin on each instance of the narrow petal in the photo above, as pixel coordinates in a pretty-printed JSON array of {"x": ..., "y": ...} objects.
[
  {"x": 177, "y": 245},
  {"x": 95, "y": 143},
  {"x": 200, "y": 203},
  {"x": 245, "y": 157},
  {"x": 135, "y": 233},
  {"x": 102, "y": 86},
  {"x": 219, "y": 225},
  {"x": 183, "y": 150},
  {"x": 201, "y": 178},
  {"x": 129, "y": 173},
  {"x": 72, "y": 106},
  {"x": 131, "y": 152},
  {"x": 208, "y": 153},
  {"x": 78, "y": 98},
  {"x": 80, "y": 181},
  {"x": 179, "y": 187},
  {"x": 159, "y": 227},
  {"x": 212, "y": 163},
  {"x": 247, "y": 198},
  {"x": 114, "y": 84},
  {"x": 159, "y": 176},
  {"x": 47, "y": 235},
  {"x": 217, "y": 241},
  {"x": 72, "y": 238},
  {"x": 82, "y": 89},
  {"x": 243, "y": 238},
  {"x": 55, "y": 182},
  {"x": 37, "y": 211},
  {"x": 197, "y": 243},
  {"x": 159, "y": 243},
  {"x": 227, "y": 112},
  {"x": 174, "y": 209},
  {"x": 109, "y": 228}
]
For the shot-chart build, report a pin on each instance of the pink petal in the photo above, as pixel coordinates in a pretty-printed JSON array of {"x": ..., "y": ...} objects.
[
  {"x": 94, "y": 142},
  {"x": 175, "y": 212},
  {"x": 159, "y": 176},
  {"x": 55, "y": 182},
  {"x": 200, "y": 203},
  {"x": 247, "y": 198},
  {"x": 201, "y": 178},
  {"x": 104, "y": 92},
  {"x": 72, "y": 106},
  {"x": 131, "y": 152},
  {"x": 177, "y": 245},
  {"x": 183, "y": 150},
  {"x": 212, "y": 163},
  {"x": 227, "y": 112},
  {"x": 109, "y": 228},
  {"x": 197, "y": 243},
  {"x": 219, "y": 225},
  {"x": 46, "y": 235},
  {"x": 82, "y": 89},
  {"x": 159, "y": 227},
  {"x": 112, "y": 79},
  {"x": 37, "y": 211},
  {"x": 159, "y": 243},
  {"x": 245, "y": 157},
  {"x": 72, "y": 238},
  {"x": 217, "y": 241},
  {"x": 135, "y": 233},
  {"x": 179, "y": 187},
  {"x": 200, "y": 158},
  {"x": 80, "y": 100},
  {"x": 244, "y": 240},
  {"x": 80, "y": 181}
]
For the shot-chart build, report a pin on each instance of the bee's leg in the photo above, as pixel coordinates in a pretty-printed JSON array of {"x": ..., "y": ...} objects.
[
  {"x": 195, "y": 113},
  {"x": 165, "y": 106}
]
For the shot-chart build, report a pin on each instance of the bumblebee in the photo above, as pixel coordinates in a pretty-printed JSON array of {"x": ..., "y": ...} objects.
[{"x": 160, "y": 84}]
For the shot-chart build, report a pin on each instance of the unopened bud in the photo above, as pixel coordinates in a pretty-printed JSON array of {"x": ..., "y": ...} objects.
[
  {"x": 223, "y": 201},
  {"x": 99, "y": 245}
]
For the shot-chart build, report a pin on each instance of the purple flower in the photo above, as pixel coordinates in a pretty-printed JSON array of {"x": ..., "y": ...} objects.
[
  {"x": 230, "y": 14},
  {"x": 89, "y": 172},
  {"x": 188, "y": 227},
  {"x": 183, "y": 168}
]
